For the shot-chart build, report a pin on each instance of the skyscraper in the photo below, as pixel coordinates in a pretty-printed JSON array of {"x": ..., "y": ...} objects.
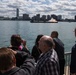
[{"x": 17, "y": 13}]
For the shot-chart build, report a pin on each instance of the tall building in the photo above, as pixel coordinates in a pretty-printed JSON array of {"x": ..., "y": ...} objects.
[
  {"x": 59, "y": 17},
  {"x": 43, "y": 18},
  {"x": 38, "y": 17},
  {"x": 48, "y": 17},
  {"x": 26, "y": 17},
  {"x": 17, "y": 13}
]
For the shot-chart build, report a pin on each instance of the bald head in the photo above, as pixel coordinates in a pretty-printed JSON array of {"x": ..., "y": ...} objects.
[
  {"x": 48, "y": 40},
  {"x": 46, "y": 43}
]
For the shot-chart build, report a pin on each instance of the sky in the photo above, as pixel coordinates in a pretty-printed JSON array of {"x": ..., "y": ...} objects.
[{"x": 66, "y": 8}]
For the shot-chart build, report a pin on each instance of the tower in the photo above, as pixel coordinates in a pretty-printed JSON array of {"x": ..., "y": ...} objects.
[{"x": 17, "y": 13}]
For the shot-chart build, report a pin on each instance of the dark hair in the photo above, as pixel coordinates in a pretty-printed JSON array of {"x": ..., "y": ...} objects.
[
  {"x": 54, "y": 34},
  {"x": 37, "y": 39},
  {"x": 16, "y": 40},
  {"x": 6, "y": 58}
]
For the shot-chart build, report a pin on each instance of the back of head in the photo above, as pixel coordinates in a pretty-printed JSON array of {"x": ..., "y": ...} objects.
[
  {"x": 16, "y": 40},
  {"x": 6, "y": 58},
  {"x": 54, "y": 34}
]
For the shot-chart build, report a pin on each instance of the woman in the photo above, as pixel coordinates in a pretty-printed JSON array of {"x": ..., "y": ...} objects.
[{"x": 35, "y": 50}]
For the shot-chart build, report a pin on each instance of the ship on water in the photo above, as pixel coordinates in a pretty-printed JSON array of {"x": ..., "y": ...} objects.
[{"x": 49, "y": 21}]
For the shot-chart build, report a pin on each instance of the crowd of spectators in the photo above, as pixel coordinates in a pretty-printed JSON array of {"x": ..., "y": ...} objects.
[{"x": 46, "y": 57}]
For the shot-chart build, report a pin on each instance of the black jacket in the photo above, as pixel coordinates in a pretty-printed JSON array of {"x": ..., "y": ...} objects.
[
  {"x": 23, "y": 49},
  {"x": 20, "y": 58},
  {"x": 59, "y": 48},
  {"x": 35, "y": 52},
  {"x": 73, "y": 60},
  {"x": 27, "y": 68}
]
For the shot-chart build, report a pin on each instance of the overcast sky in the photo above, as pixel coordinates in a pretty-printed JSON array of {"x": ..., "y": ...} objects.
[{"x": 67, "y": 8}]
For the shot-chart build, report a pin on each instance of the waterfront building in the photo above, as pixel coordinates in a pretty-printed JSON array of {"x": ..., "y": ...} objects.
[
  {"x": 43, "y": 18},
  {"x": 17, "y": 13},
  {"x": 38, "y": 17},
  {"x": 1, "y": 17},
  {"x": 33, "y": 18},
  {"x": 26, "y": 17},
  {"x": 59, "y": 17},
  {"x": 48, "y": 17}
]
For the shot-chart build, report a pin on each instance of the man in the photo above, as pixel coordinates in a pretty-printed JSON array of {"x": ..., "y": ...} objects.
[
  {"x": 48, "y": 60},
  {"x": 73, "y": 58},
  {"x": 59, "y": 48},
  {"x": 18, "y": 44},
  {"x": 8, "y": 63}
]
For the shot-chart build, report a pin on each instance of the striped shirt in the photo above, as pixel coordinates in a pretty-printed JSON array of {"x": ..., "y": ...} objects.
[{"x": 48, "y": 64}]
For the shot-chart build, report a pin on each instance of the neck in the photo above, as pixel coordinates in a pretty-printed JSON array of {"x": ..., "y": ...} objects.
[{"x": 46, "y": 50}]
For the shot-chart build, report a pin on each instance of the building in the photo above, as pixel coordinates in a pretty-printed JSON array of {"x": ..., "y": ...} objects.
[
  {"x": 48, "y": 17},
  {"x": 17, "y": 13},
  {"x": 59, "y": 17},
  {"x": 1, "y": 17},
  {"x": 38, "y": 17},
  {"x": 43, "y": 18},
  {"x": 26, "y": 17}
]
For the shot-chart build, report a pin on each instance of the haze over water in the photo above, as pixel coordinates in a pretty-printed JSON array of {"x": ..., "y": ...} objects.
[{"x": 29, "y": 32}]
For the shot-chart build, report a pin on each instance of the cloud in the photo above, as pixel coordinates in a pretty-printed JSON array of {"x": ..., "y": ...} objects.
[{"x": 32, "y": 7}]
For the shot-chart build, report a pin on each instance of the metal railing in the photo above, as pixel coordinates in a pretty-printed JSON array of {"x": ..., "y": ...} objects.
[{"x": 67, "y": 56}]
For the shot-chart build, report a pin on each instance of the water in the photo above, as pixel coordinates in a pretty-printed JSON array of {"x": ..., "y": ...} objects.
[{"x": 29, "y": 31}]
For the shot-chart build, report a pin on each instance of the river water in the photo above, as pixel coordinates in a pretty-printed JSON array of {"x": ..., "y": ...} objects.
[{"x": 29, "y": 32}]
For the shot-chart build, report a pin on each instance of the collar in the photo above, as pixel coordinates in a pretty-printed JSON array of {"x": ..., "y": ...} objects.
[{"x": 11, "y": 72}]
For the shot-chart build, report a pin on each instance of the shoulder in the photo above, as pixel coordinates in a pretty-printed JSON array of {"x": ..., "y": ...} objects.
[
  {"x": 51, "y": 57},
  {"x": 25, "y": 50},
  {"x": 74, "y": 48}
]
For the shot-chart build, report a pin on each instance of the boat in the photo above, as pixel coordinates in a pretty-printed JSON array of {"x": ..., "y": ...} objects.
[
  {"x": 52, "y": 21},
  {"x": 49, "y": 21}
]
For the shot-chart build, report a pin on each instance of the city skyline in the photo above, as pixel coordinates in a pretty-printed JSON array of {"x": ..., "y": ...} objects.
[{"x": 66, "y": 8}]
